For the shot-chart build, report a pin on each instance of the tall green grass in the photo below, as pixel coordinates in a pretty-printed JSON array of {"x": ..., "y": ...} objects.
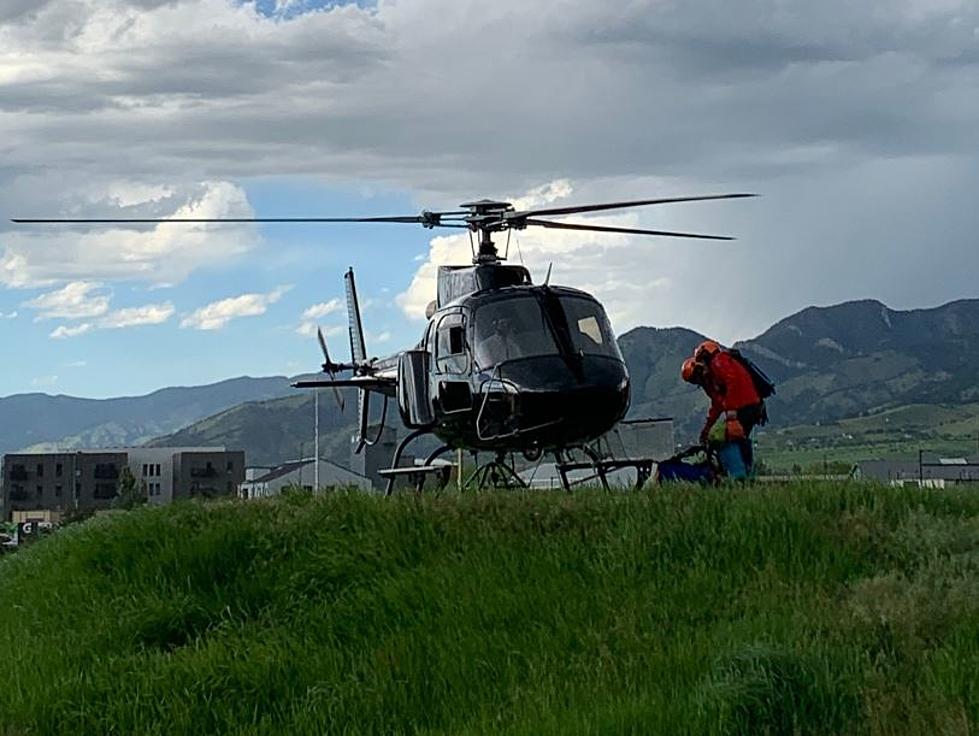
[{"x": 810, "y": 609}]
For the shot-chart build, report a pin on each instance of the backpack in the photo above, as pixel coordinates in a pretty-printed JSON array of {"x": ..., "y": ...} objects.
[{"x": 764, "y": 385}]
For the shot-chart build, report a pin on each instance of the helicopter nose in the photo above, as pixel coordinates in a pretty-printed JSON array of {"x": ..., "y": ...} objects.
[{"x": 569, "y": 408}]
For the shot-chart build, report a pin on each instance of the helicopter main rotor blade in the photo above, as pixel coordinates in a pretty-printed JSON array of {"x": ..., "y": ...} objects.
[
  {"x": 572, "y": 210},
  {"x": 624, "y": 230},
  {"x": 413, "y": 219}
]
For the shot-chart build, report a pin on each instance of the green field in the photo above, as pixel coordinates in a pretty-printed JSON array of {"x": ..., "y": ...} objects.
[
  {"x": 892, "y": 434},
  {"x": 782, "y": 609}
]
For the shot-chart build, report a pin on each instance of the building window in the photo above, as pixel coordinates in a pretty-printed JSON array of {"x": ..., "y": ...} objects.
[
  {"x": 106, "y": 471},
  {"x": 59, "y": 470},
  {"x": 40, "y": 491},
  {"x": 105, "y": 490},
  {"x": 231, "y": 466},
  {"x": 18, "y": 472},
  {"x": 157, "y": 467},
  {"x": 57, "y": 491},
  {"x": 17, "y": 493},
  {"x": 145, "y": 470},
  {"x": 40, "y": 470}
]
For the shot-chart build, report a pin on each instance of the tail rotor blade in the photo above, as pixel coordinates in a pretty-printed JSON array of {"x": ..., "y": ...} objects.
[
  {"x": 328, "y": 367},
  {"x": 322, "y": 340}
]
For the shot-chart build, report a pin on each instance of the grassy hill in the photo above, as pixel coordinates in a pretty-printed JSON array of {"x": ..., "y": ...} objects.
[
  {"x": 892, "y": 433},
  {"x": 800, "y": 609}
]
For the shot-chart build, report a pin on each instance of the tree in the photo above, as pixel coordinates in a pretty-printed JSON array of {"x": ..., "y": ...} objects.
[{"x": 131, "y": 492}]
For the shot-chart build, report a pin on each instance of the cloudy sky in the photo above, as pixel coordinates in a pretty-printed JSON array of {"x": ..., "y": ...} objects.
[{"x": 857, "y": 122}]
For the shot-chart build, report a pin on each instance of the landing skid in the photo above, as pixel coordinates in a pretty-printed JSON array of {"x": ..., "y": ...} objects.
[
  {"x": 600, "y": 468},
  {"x": 502, "y": 474},
  {"x": 417, "y": 474},
  {"x": 495, "y": 474}
]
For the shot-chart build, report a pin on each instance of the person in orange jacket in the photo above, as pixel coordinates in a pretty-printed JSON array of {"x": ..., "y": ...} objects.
[{"x": 732, "y": 394}]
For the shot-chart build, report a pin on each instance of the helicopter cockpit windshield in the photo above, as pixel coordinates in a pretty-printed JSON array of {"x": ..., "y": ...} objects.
[
  {"x": 511, "y": 329},
  {"x": 515, "y": 328}
]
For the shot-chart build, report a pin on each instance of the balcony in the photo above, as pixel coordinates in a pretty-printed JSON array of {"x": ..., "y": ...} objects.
[{"x": 18, "y": 473}]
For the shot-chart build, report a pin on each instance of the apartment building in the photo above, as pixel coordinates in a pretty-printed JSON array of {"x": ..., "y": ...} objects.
[{"x": 90, "y": 479}]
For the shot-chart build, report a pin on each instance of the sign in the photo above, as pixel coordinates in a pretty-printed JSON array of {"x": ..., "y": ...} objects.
[{"x": 31, "y": 530}]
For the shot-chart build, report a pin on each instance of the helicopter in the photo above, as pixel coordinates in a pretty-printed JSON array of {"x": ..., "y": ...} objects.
[{"x": 504, "y": 365}]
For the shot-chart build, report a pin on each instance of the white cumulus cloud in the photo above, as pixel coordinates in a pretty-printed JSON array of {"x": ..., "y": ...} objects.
[
  {"x": 216, "y": 315},
  {"x": 162, "y": 254},
  {"x": 76, "y": 300},
  {"x": 59, "y": 333},
  {"x": 307, "y": 327},
  {"x": 323, "y": 309},
  {"x": 149, "y": 314}
]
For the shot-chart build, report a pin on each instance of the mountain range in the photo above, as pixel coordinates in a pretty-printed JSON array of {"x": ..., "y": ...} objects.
[
  {"x": 830, "y": 363},
  {"x": 40, "y": 422}
]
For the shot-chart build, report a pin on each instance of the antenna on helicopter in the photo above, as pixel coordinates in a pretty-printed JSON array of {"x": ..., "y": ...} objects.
[{"x": 481, "y": 217}]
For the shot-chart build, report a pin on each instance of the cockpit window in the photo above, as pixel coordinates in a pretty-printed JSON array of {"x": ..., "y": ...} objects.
[
  {"x": 590, "y": 330},
  {"x": 511, "y": 329}
]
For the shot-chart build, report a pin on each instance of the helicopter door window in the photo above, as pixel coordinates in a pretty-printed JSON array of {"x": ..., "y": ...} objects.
[
  {"x": 590, "y": 329},
  {"x": 451, "y": 354}
]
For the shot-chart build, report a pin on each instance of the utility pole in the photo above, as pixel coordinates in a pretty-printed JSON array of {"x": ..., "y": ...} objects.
[
  {"x": 316, "y": 441},
  {"x": 301, "y": 463},
  {"x": 459, "y": 470}
]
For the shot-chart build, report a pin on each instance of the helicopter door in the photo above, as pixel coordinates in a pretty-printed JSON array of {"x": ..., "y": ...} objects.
[
  {"x": 452, "y": 364},
  {"x": 413, "y": 400}
]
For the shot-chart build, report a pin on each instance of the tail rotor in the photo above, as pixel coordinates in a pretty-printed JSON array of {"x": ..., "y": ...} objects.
[{"x": 330, "y": 367}]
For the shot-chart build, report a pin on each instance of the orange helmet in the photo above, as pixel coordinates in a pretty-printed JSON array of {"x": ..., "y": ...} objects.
[
  {"x": 692, "y": 371},
  {"x": 706, "y": 350}
]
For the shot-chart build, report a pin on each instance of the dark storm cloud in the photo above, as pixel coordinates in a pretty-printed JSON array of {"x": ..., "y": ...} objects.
[{"x": 665, "y": 87}]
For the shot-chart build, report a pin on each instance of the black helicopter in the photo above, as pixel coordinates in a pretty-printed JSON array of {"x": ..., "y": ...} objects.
[{"x": 504, "y": 365}]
